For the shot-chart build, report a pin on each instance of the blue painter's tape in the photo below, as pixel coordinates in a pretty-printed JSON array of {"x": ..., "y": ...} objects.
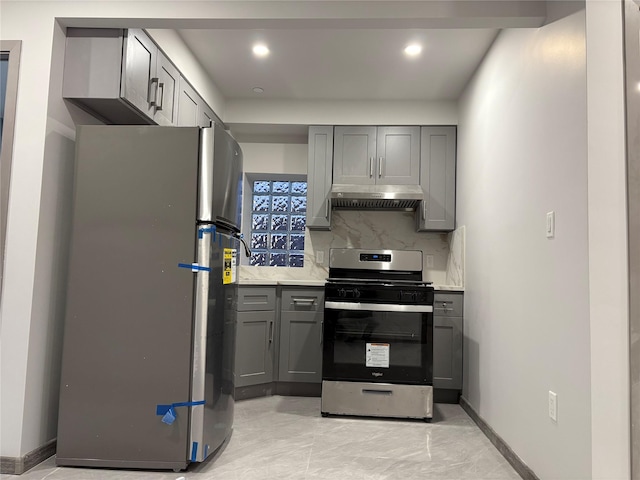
[
  {"x": 188, "y": 404},
  {"x": 194, "y": 451},
  {"x": 193, "y": 266},
  {"x": 202, "y": 231},
  {"x": 169, "y": 414},
  {"x": 169, "y": 417}
]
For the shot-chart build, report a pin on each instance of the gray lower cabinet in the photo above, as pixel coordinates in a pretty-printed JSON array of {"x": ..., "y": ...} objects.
[
  {"x": 447, "y": 340},
  {"x": 255, "y": 336},
  {"x": 319, "y": 174},
  {"x": 301, "y": 319},
  {"x": 437, "y": 179}
]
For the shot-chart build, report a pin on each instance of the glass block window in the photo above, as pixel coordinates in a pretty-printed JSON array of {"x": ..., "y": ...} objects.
[{"x": 277, "y": 223}]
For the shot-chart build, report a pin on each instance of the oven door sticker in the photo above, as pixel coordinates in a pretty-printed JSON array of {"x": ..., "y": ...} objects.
[{"x": 377, "y": 355}]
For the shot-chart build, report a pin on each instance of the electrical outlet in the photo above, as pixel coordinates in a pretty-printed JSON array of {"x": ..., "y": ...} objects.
[
  {"x": 551, "y": 224},
  {"x": 320, "y": 257},
  {"x": 553, "y": 406},
  {"x": 429, "y": 261}
]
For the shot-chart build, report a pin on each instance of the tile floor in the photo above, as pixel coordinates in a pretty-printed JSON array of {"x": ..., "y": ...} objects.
[{"x": 286, "y": 438}]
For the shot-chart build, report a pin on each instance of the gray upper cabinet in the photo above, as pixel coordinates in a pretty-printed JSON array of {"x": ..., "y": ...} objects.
[
  {"x": 166, "y": 100},
  {"x": 438, "y": 179},
  {"x": 301, "y": 318},
  {"x": 139, "y": 70},
  {"x": 150, "y": 79},
  {"x": 121, "y": 76},
  {"x": 447, "y": 340},
  {"x": 398, "y": 155},
  {"x": 206, "y": 117},
  {"x": 188, "y": 104},
  {"x": 376, "y": 155},
  {"x": 255, "y": 336},
  {"x": 193, "y": 111},
  {"x": 319, "y": 173},
  {"x": 354, "y": 155}
]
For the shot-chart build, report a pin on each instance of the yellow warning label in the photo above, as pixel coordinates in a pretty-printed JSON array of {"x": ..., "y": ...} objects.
[{"x": 227, "y": 276}]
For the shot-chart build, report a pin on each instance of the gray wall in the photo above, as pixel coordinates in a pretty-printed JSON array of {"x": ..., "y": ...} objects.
[{"x": 522, "y": 153}]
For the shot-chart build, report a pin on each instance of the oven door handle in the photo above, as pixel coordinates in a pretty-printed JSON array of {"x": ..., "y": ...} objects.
[{"x": 378, "y": 307}]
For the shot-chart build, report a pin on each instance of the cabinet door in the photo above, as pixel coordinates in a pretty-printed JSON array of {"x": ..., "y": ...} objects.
[
  {"x": 447, "y": 352},
  {"x": 188, "y": 101},
  {"x": 319, "y": 172},
  {"x": 398, "y": 156},
  {"x": 254, "y": 348},
  {"x": 354, "y": 152},
  {"x": 300, "y": 347},
  {"x": 139, "y": 81},
  {"x": 206, "y": 117},
  {"x": 167, "y": 97},
  {"x": 438, "y": 179}
]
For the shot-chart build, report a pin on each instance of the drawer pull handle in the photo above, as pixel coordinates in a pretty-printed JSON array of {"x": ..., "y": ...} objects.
[
  {"x": 304, "y": 301},
  {"x": 377, "y": 392}
]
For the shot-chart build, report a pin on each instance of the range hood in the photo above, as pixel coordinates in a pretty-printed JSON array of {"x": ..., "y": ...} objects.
[{"x": 376, "y": 197}]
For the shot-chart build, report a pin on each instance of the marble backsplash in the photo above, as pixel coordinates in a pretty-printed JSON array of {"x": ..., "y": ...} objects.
[{"x": 372, "y": 230}]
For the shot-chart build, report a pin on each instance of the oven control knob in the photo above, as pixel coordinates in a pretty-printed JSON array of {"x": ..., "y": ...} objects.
[
  {"x": 342, "y": 292},
  {"x": 356, "y": 293}
]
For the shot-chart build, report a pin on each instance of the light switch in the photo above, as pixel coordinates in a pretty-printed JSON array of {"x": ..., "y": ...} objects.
[
  {"x": 551, "y": 224},
  {"x": 320, "y": 257}
]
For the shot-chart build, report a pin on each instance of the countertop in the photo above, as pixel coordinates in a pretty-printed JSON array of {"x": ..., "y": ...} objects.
[
  {"x": 284, "y": 283},
  {"x": 320, "y": 283}
]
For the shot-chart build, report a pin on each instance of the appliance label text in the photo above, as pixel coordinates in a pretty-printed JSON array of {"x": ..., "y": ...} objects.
[
  {"x": 229, "y": 268},
  {"x": 377, "y": 355}
]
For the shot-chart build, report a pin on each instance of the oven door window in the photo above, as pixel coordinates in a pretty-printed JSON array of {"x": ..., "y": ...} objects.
[{"x": 377, "y": 346}]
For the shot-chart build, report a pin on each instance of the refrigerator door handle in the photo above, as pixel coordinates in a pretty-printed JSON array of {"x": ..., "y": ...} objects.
[{"x": 200, "y": 342}]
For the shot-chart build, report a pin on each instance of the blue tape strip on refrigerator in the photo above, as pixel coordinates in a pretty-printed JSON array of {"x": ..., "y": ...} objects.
[
  {"x": 194, "y": 451},
  {"x": 202, "y": 231},
  {"x": 194, "y": 267},
  {"x": 162, "y": 409}
]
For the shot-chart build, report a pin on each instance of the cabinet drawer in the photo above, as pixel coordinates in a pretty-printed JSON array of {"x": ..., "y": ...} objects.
[
  {"x": 303, "y": 300},
  {"x": 256, "y": 298},
  {"x": 448, "y": 304}
]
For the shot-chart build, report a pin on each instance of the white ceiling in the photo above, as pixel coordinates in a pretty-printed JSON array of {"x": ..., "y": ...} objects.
[{"x": 340, "y": 63}]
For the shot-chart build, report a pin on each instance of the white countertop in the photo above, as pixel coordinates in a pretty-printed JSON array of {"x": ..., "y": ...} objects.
[
  {"x": 321, "y": 283},
  {"x": 449, "y": 288},
  {"x": 302, "y": 283},
  {"x": 287, "y": 283}
]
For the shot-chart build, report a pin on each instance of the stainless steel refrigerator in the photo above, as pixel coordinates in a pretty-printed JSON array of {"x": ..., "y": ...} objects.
[{"x": 147, "y": 363}]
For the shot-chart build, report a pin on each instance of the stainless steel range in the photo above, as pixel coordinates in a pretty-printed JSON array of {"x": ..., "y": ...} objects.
[{"x": 378, "y": 335}]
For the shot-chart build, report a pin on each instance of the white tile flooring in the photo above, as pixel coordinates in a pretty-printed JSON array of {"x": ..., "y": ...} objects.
[{"x": 286, "y": 438}]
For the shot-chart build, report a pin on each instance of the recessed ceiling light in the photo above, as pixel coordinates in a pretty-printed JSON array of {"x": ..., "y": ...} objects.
[
  {"x": 258, "y": 89},
  {"x": 413, "y": 49},
  {"x": 260, "y": 50}
]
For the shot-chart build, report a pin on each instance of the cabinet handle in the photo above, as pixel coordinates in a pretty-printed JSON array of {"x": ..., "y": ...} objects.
[
  {"x": 321, "y": 331},
  {"x": 370, "y": 167},
  {"x": 380, "y": 160},
  {"x": 271, "y": 331},
  {"x": 159, "y": 105},
  {"x": 155, "y": 96},
  {"x": 424, "y": 210},
  {"x": 378, "y": 392},
  {"x": 326, "y": 209},
  {"x": 304, "y": 301}
]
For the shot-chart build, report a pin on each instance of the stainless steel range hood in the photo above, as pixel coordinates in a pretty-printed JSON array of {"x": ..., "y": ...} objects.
[{"x": 376, "y": 197}]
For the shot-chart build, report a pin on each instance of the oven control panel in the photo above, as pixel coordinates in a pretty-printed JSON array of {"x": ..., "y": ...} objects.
[
  {"x": 380, "y": 294},
  {"x": 375, "y": 257}
]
